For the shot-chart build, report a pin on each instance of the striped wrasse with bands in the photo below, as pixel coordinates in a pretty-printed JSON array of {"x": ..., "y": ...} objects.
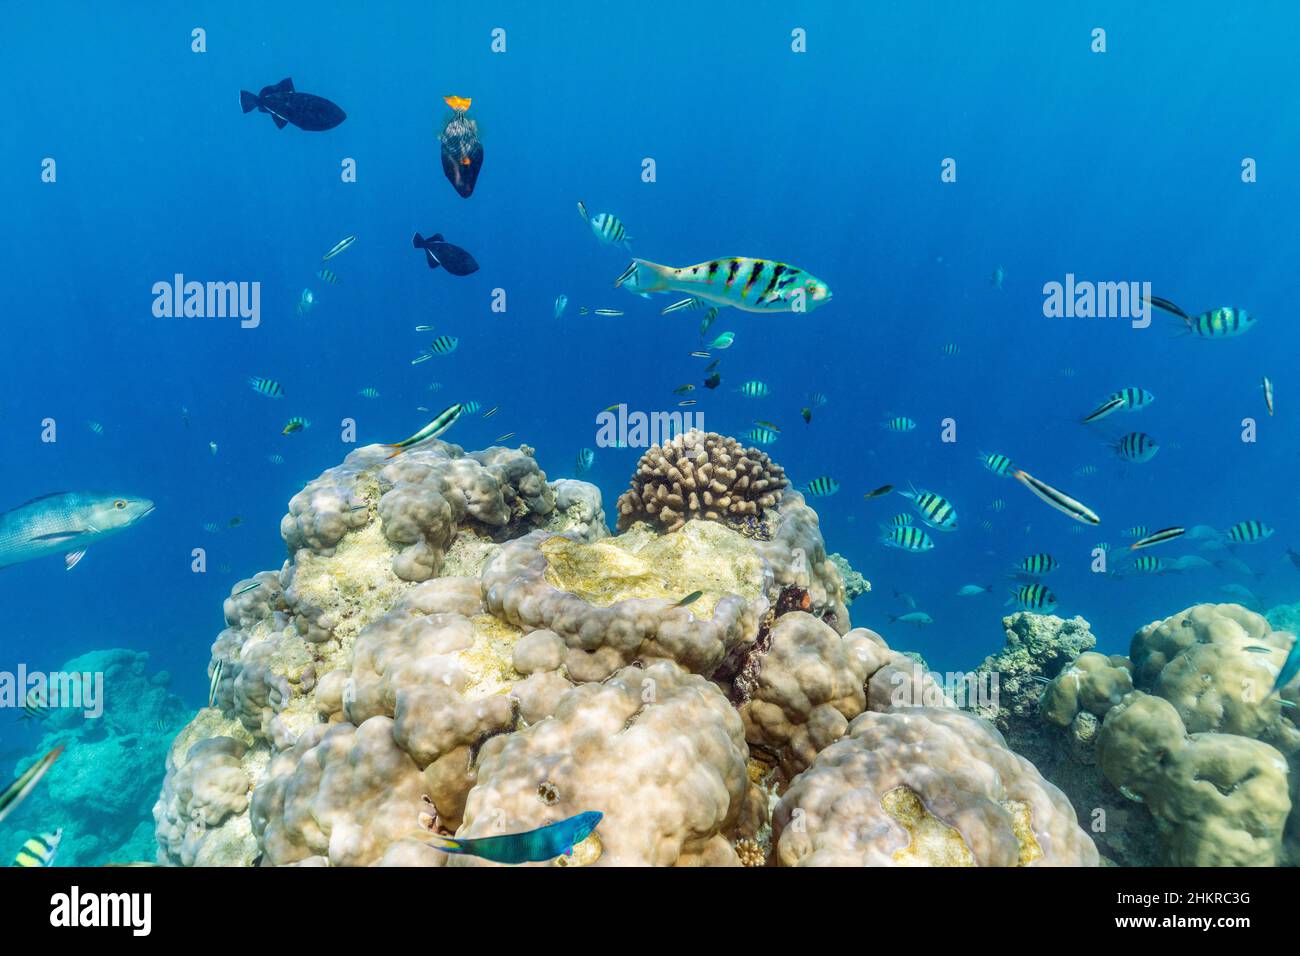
[
  {"x": 751, "y": 285},
  {"x": 1058, "y": 500},
  {"x": 446, "y": 418},
  {"x": 215, "y": 682},
  {"x": 1157, "y": 537},
  {"x": 39, "y": 850},
  {"x": 17, "y": 791}
]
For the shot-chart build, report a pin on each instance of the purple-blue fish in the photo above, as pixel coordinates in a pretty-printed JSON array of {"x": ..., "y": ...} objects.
[{"x": 531, "y": 846}]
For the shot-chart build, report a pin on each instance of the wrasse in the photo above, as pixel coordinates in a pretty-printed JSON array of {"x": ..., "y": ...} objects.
[
  {"x": 689, "y": 599},
  {"x": 876, "y": 493},
  {"x": 1267, "y": 386},
  {"x": 690, "y": 303},
  {"x": 1157, "y": 537},
  {"x": 17, "y": 792},
  {"x": 751, "y": 285},
  {"x": 446, "y": 418},
  {"x": 343, "y": 245},
  {"x": 295, "y": 424},
  {"x": 246, "y": 588},
  {"x": 1058, "y": 500},
  {"x": 531, "y": 846},
  {"x": 500, "y": 438},
  {"x": 1112, "y": 404},
  {"x": 215, "y": 682}
]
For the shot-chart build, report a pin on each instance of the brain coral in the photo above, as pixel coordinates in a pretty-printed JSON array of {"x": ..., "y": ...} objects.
[{"x": 700, "y": 475}]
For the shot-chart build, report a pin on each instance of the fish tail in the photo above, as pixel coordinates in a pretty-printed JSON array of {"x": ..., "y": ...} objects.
[
  {"x": 1166, "y": 305},
  {"x": 248, "y": 101},
  {"x": 395, "y": 450},
  {"x": 448, "y": 845},
  {"x": 643, "y": 276}
]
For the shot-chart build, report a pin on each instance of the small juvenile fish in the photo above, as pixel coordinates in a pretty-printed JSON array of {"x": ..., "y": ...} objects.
[
  {"x": 470, "y": 407},
  {"x": 586, "y": 458},
  {"x": 806, "y": 415},
  {"x": 500, "y": 438},
  {"x": 817, "y": 399},
  {"x": 609, "y": 229},
  {"x": 754, "y": 389},
  {"x": 295, "y": 424},
  {"x": 1268, "y": 394},
  {"x": 1136, "y": 447},
  {"x": 435, "y": 386},
  {"x": 275, "y": 459},
  {"x": 39, "y": 850},
  {"x": 1087, "y": 471},
  {"x": 491, "y": 411},
  {"x": 1165, "y": 534},
  {"x": 561, "y": 303},
  {"x": 907, "y": 538},
  {"x": 343, "y": 245},
  {"x": 919, "y": 618},
  {"x": 686, "y": 404},
  {"x": 96, "y": 427},
  {"x": 266, "y": 386},
  {"x": 701, "y": 355},
  {"x": 211, "y": 527},
  {"x": 327, "y": 276},
  {"x": 215, "y": 682},
  {"x": 969, "y": 590},
  {"x": 446, "y": 418},
  {"x": 899, "y": 423},
  {"x": 997, "y": 505},
  {"x": 683, "y": 389},
  {"x": 723, "y": 341},
  {"x": 369, "y": 392},
  {"x": 763, "y": 424},
  {"x": 246, "y": 588},
  {"x": 689, "y": 599},
  {"x": 17, "y": 792},
  {"x": 950, "y": 350},
  {"x": 531, "y": 846},
  {"x": 821, "y": 487}
]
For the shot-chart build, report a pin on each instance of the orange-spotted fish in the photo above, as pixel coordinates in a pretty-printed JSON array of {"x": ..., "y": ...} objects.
[{"x": 751, "y": 285}]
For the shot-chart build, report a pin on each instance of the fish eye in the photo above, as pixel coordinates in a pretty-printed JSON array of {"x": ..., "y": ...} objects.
[{"x": 119, "y": 504}]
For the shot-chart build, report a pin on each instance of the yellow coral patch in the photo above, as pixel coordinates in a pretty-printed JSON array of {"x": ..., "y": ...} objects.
[
  {"x": 489, "y": 660},
  {"x": 1022, "y": 826},
  {"x": 585, "y": 853},
  {"x": 700, "y": 556},
  {"x": 933, "y": 842}
]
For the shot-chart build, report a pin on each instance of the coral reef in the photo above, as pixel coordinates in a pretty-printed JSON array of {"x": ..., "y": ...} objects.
[
  {"x": 125, "y": 745},
  {"x": 855, "y": 585},
  {"x": 457, "y": 645},
  {"x": 700, "y": 475}
]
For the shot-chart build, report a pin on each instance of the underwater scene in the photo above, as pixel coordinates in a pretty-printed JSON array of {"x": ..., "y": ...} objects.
[{"x": 763, "y": 434}]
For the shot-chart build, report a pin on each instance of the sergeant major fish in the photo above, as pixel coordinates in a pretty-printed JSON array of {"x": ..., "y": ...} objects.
[
  {"x": 65, "y": 523},
  {"x": 751, "y": 285}
]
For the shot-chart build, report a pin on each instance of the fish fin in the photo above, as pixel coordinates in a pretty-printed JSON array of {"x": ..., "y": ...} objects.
[
  {"x": 1165, "y": 305},
  {"x": 71, "y": 559},
  {"x": 428, "y": 257},
  {"x": 644, "y": 276},
  {"x": 436, "y": 237},
  {"x": 284, "y": 86},
  {"x": 417, "y": 241},
  {"x": 248, "y": 101},
  {"x": 396, "y": 450},
  {"x": 280, "y": 121},
  {"x": 448, "y": 845},
  {"x": 54, "y": 537},
  {"x": 582, "y": 211}
]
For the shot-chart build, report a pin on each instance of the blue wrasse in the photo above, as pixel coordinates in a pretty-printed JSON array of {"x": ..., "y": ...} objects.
[
  {"x": 446, "y": 418},
  {"x": 1290, "y": 667},
  {"x": 17, "y": 791},
  {"x": 65, "y": 523},
  {"x": 531, "y": 846}
]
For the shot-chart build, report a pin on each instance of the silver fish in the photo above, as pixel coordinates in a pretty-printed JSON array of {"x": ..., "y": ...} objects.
[{"x": 65, "y": 523}]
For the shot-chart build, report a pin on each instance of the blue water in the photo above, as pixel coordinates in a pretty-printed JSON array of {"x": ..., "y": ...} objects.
[{"x": 1122, "y": 166}]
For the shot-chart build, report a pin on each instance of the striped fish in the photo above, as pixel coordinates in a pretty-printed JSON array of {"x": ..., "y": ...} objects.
[
  {"x": 822, "y": 487},
  {"x": 1222, "y": 323},
  {"x": 1148, "y": 564},
  {"x": 751, "y": 285},
  {"x": 369, "y": 392},
  {"x": 17, "y": 792},
  {"x": 491, "y": 411},
  {"x": 707, "y": 321},
  {"x": 998, "y": 505},
  {"x": 935, "y": 510},
  {"x": 98, "y": 429},
  {"x": 343, "y": 245},
  {"x": 1244, "y": 532},
  {"x": 998, "y": 464},
  {"x": 1137, "y": 531},
  {"x": 266, "y": 386},
  {"x": 215, "y": 682},
  {"x": 1033, "y": 597},
  {"x": 689, "y": 304},
  {"x": 444, "y": 345},
  {"x": 754, "y": 389},
  {"x": 951, "y": 349},
  {"x": 586, "y": 458},
  {"x": 295, "y": 424},
  {"x": 1041, "y": 563},
  {"x": 898, "y": 423},
  {"x": 609, "y": 229},
  {"x": 275, "y": 459},
  {"x": 500, "y": 438},
  {"x": 39, "y": 850},
  {"x": 34, "y": 707},
  {"x": 1136, "y": 447},
  {"x": 1267, "y": 386},
  {"x": 1134, "y": 398},
  {"x": 817, "y": 399},
  {"x": 561, "y": 303},
  {"x": 906, "y": 538},
  {"x": 1058, "y": 500},
  {"x": 1087, "y": 471},
  {"x": 899, "y": 520},
  {"x": 1112, "y": 404},
  {"x": 470, "y": 407},
  {"x": 760, "y": 436},
  {"x": 1157, "y": 537},
  {"x": 327, "y": 276},
  {"x": 446, "y": 418}
]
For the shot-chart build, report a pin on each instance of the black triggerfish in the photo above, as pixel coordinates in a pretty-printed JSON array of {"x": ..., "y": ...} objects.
[
  {"x": 462, "y": 153},
  {"x": 286, "y": 105},
  {"x": 439, "y": 252}
]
